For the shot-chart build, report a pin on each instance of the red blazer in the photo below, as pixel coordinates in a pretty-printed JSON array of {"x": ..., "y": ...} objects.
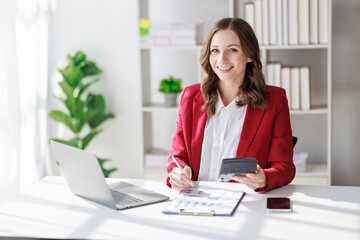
[{"x": 266, "y": 135}]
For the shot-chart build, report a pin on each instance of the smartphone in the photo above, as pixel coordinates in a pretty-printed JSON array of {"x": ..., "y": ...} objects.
[
  {"x": 278, "y": 204},
  {"x": 236, "y": 166}
]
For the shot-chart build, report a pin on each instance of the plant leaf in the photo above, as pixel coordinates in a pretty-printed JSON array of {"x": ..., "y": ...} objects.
[
  {"x": 90, "y": 69},
  {"x": 106, "y": 172},
  {"x": 79, "y": 58},
  {"x": 75, "y": 106},
  {"x": 71, "y": 142},
  {"x": 67, "y": 89},
  {"x": 72, "y": 74},
  {"x": 97, "y": 104},
  {"x": 86, "y": 140},
  {"x": 63, "y": 118},
  {"x": 170, "y": 85}
]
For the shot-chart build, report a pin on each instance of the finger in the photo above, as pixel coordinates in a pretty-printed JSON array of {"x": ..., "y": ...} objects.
[
  {"x": 252, "y": 176},
  {"x": 238, "y": 178},
  {"x": 246, "y": 181},
  {"x": 184, "y": 175},
  {"x": 177, "y": 181},
  {"x": 180, "y": 174},
  {"x": 256, "y": 175},
  {"x": 177, "y": 171},
  {"x": 180, "y": 178},
  {"x": 187, "y": 171},
  {"x": 178, "y": 185}
]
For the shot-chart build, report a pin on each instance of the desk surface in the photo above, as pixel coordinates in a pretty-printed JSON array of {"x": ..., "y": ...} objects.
[{"x": 50, "y": 210}]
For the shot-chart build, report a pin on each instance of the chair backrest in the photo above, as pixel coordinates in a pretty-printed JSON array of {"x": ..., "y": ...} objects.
[{"x": 294, "y": 141}]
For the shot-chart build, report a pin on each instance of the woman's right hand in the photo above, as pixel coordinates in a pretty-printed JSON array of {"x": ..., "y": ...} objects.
[{"x": 180, "y": 179}]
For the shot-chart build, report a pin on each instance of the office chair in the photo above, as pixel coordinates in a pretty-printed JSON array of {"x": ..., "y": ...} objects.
[{"x": 294, "y": 141}]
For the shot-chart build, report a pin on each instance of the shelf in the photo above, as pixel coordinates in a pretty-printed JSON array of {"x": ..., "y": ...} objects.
[
  {"x": 311, "y": 111},
  {"x": 155, "y": 63}
]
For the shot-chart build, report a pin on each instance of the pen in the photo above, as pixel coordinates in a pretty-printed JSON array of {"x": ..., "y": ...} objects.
[{"x": 179, "y": 166}]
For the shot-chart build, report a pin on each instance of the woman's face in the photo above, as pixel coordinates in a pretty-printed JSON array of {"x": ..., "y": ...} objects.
[{"x": 227, "y": 59}]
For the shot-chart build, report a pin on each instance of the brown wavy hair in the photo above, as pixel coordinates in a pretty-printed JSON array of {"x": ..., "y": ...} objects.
[{"x": 252, "y": 91}]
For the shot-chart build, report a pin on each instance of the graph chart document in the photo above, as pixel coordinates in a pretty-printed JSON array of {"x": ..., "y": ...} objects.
[{"x": 205, "y": 202}]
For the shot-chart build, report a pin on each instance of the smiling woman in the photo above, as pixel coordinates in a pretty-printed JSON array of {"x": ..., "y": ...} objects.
[
  {"x": 232, "y": 114},
  {"x": 229, "y": 62}
]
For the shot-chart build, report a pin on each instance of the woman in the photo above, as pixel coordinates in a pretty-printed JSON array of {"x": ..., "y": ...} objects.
[{"x": 232, "y": 114}]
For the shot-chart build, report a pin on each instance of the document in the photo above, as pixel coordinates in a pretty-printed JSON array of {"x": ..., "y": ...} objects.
[{"x": 205, "y": 202}]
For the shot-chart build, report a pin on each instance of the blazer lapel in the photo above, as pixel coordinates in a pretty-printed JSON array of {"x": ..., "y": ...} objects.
[
  {"x": 251, "y": 124},
  {"x": 198, "y": 128}
]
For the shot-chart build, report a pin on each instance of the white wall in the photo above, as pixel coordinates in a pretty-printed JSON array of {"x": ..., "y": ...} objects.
[{"x": 107, "y": 31}]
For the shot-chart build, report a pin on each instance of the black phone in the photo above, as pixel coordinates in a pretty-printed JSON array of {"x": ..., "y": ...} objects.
[
  {"x": 278, "y": 204},
  {"x": 236, "y": 166}
]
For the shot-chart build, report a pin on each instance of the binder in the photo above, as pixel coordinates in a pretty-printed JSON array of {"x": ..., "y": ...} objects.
[
  {"x": 304, "y": 31},
  {"x": 200, "y": 202}
]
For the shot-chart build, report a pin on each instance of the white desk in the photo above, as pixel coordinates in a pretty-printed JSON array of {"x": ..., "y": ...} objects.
[{"x": 50, "y": 210}]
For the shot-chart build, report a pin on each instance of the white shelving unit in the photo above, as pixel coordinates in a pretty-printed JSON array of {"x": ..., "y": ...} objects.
[{"x": 312, "y": 127}]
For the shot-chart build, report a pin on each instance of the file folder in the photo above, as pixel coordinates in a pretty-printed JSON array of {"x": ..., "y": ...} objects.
[{"x": 201, "y": 202}]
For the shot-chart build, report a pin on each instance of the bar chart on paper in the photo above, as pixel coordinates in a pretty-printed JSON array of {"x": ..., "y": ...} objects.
[{"x": 205, "y": 202}]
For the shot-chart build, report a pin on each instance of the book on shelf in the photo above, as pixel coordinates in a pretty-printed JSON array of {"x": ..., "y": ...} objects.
[
  {"x": 258, "y": 21},
  {"x": 304, "y": 30},
  {"x": 190, "y": 34},
  {"x": 249, "y": 15},
  {"x": 270, "y": 74},
  {"x": 295, "y": 88},
  {"x": 277, "y": 74},
  {"x": 314, "y": 22},
  {"x": 279, "y": 26},
  {"x": 286, "y": 82},
  {"x": 305, "y": 87},
  {"x": 274, "y": 74},
  {"x": 289, "y": 22},
  {"x": 323, "y": 21},
  {"x": 285, "y": 21},
  {"x": 295, "y": 80},
  {"x": 265, "y": 22},
  {"x": 272, "y": 22},
  {"x": 293, "y": 22}
]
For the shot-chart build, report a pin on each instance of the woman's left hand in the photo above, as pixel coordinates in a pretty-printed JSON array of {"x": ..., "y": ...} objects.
[{"x": 252, "y": 180}]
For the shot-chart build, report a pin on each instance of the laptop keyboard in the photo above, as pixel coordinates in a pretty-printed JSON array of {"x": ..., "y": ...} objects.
[{"x": 124, "y": 198}]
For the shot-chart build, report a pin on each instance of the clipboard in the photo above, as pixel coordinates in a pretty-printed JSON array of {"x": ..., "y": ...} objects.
[{"x": 201, "y": 202}]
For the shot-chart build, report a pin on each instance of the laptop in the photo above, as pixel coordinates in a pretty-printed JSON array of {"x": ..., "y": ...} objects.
[{"x": 85, "y": 179}]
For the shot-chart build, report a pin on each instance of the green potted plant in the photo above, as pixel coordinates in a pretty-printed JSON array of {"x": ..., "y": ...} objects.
[
  {"x": 81, "y": 111},
  {"x": 170, "y": 87}
]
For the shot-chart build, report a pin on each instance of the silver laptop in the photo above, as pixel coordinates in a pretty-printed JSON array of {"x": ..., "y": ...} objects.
[{"x": 85, "y": 179}]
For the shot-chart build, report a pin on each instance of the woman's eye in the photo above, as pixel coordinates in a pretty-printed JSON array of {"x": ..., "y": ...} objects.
[
  {"x": 233, "y": 50},
  {"x": 214, "y": 50}
]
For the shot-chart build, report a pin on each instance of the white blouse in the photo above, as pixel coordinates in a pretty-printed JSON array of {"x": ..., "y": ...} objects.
[{"x": 221, "y": 138}]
